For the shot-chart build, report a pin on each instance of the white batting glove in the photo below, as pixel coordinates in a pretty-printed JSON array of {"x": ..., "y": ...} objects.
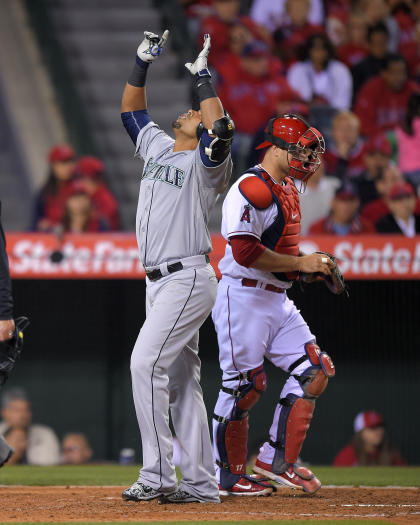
[
  {"x": 200, "y": 64},
  {"x": 152, "y": 46}
]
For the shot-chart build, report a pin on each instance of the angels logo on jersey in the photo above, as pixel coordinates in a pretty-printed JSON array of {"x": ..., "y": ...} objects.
[{"x": 246, "y": 216}]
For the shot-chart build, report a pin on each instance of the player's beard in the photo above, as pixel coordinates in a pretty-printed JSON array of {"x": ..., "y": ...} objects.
[{"x": 176, "y": 124}]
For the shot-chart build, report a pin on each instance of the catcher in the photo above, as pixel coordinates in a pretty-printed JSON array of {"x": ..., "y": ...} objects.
[
  {"x": 255, "y": 319},
  {"x": 11, "y": 332}
]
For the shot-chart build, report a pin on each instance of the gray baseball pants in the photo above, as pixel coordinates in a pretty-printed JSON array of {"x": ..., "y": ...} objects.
[{"x": 165, "y": 370}]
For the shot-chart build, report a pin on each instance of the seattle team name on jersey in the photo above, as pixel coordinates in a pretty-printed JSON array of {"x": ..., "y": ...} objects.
[{"x": 163, "y": 172}]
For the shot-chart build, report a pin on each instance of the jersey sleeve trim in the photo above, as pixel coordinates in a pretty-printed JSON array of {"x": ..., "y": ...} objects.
[{"x": 243, "y": 232}]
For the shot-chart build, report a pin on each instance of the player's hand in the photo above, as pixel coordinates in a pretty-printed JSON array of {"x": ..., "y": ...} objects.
[
  {"x": 315, "y": 262},
  {"x": 200, "y": 63},
  {"x": 7, "y": 329},
  {"x": 152, "y": 46}
]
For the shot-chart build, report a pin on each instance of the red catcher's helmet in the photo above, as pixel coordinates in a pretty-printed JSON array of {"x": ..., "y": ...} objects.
[{"x": 305, "y": 144}]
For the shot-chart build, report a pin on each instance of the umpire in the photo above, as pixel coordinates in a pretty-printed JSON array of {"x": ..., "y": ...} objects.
[{"x": 7, "y": 324}]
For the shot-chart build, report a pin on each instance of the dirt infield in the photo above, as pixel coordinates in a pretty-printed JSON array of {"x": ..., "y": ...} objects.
[{"x": 55, "y": 504}]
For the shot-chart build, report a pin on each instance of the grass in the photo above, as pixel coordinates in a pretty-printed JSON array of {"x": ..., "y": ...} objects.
[{"x": 118, "y": 475}]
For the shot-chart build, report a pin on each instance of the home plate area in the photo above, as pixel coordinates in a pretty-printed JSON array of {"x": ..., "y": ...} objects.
[{"x": 58, "y": 504}]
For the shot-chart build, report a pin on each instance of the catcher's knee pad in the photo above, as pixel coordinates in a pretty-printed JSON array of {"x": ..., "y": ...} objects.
[
  {"x": 314, "y": 379},
  {"x": 232, "y": 432}
]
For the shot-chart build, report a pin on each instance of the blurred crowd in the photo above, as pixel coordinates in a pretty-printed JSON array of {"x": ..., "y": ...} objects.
[
  {"x": 352, "y": 67},
  {"x": 36, "y": 444},
  {"x": 75, "y": 197}
]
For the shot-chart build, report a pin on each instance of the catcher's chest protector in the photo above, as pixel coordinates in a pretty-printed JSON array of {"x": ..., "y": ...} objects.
[{"x": 283, "y": 235}]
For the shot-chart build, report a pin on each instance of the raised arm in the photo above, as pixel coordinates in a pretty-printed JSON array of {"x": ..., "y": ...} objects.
[
  {"x": 219, "y": 128},
  {"x": 210, "y": 106},
  {"x": 134, "y": 95}
]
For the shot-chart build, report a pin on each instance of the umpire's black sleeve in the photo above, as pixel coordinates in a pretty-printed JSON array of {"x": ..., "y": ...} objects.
[{"x": 6, "y": 299}]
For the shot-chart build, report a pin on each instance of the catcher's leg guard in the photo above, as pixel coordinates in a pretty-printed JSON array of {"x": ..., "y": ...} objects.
[
  {"x": 296, "y": 415},
  {"x": 232, "y": 432}
]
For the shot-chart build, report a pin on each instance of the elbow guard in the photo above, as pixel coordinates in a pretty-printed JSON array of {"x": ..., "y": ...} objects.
[{"x": 218, "y": 148}]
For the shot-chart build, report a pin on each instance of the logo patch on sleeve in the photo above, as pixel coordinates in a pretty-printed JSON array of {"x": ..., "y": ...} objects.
[{"x": 246, "y": 216}]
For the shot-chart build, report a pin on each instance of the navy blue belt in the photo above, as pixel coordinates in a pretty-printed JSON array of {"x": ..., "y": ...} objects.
[{"x": 155, "y": 275}]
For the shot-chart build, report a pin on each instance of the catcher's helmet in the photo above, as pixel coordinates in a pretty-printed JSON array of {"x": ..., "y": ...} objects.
[{"x": 305, "y": 143}]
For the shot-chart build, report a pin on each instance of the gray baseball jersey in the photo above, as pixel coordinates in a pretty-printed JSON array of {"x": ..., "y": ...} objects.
[{"x": 177, "y": 194}]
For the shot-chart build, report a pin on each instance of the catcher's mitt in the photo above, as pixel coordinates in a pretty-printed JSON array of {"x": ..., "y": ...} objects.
[
  {"x": 334, "y": 282},
  {"x": 11, "y": 349}
]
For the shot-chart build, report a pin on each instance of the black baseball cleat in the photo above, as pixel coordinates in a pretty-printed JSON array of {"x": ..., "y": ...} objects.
[
  {"x": 140, "y": 492},
  {"x": 180, "y": 496}
]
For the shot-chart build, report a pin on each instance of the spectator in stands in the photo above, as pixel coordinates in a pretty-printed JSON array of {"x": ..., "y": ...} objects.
[
  {"x": 377, "y": 45},
  {"x": 316, "y": 200},
  {"x": 377, "y": 11},
  {"x": 344, "y": 217},
  {"x": 227, "y": 14},
  {"x": 370, "y": 445},
  {"x": 255, "y": 84},
  {"x": 344, "y": 155},
  {"x": 89, "y": 172},
  {"x": 51, "y": 199},
  {"x": 381, "y": 103},
  {"x": 408, "y": 141},
  {"x": 318, "y": 77},
  {"x": 354, "y": 49},
  {"x": 75, "y": 449},
  {"x": 272, "y": 14},
  {"x": 290, "y": 38},
  {"x": 376, "y": 209},
  {"x": 250, "y": 92},
  {"x": 401, "y": 219},
  {"x": 407, "y": 15},
  {"x": 80, "y": 215},
  {"x": 42, "y": 445},
  {"x": 377, "y": 153},
  {"x": 239, "y": 36}
]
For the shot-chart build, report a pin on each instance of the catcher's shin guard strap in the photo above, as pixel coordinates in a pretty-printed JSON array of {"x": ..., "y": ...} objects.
[
  {"x": 297, "y": 425},
  {"x": 286, "y": 403}
]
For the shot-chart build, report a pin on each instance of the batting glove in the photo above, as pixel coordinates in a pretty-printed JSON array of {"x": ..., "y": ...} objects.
[
  {"x": 152, "y": 46},
  {"x": 199, "y": 67}
]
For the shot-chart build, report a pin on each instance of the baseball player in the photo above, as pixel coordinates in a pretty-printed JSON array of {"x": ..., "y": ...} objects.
[
  {"x": 255, "y": 319},
  {"x": 11, "y": 332},
  {"x": 7, "y": 324},
  {"x": 180, "y": 183}
]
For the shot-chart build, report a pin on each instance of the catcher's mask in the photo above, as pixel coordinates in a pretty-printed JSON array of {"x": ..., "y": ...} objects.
[{"x": 304, "y": 143}]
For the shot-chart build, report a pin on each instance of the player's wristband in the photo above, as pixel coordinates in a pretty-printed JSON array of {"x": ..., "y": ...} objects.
[
  {"x": 139, "y": 73},
  {"x": 204, "y": 86}
]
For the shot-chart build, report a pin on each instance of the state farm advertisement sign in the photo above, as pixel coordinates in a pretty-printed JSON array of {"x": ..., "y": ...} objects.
[{"x": 115, "y": 256}]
